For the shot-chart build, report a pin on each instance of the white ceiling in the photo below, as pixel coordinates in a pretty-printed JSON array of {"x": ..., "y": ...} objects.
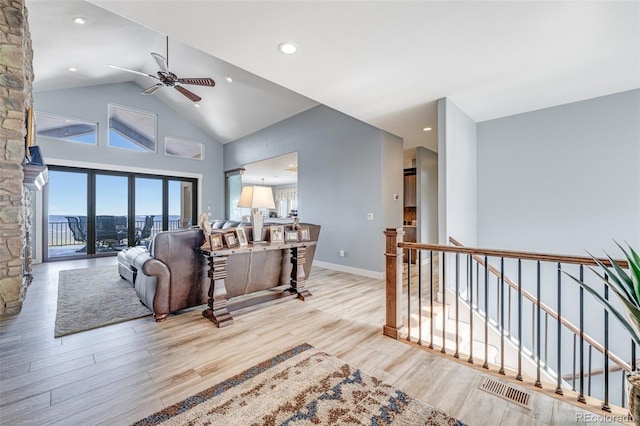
[
  {"x": 227, "y": 111},
  {"x": 383, "y": 62}
]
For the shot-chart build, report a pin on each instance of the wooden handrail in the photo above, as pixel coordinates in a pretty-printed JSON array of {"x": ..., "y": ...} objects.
[
  {"x": 576, "y": 330},
  {"x": 525, "y": 255},
  {"x": 394, "y": 290}
]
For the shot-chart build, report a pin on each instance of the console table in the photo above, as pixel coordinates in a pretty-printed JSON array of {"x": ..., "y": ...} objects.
[{"x": 219, "y": 307}]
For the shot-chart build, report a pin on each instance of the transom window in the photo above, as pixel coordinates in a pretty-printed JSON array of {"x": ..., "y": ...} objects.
[
  {"x": 181, "y": 148},
  {"x": 65, "y": 128},
  {"x": 132, "y": 129}
]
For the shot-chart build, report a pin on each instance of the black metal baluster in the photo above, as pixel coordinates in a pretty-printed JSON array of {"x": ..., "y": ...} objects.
[
  {"x": 420, "y": 297},
  {"x": 509, "y": 333},
  {"x": 575, "y": 353},
  {"x": 605, "y": 403},
  {"x": 498, "y": 304},
  {"x": 623, "y": 389},
  {"x": 409, "y": 295},
  {"x": 457, "y": 354},
  {"x": 559, "y": 348},
  {"x": 538, "y": 383},
  {"x": 470, "y": 360},
  {"x": 431, "y": 298},
  {"x": 581, "y": 397},
  {"x": 519, "y": 376},
  {"x": 443, "y": 286},
  {"x": 486, "y": 313},
  {"x": 546, "y": 341},
  {"x": 501, "y": 291},
  {"x": 589, "y": 372},
  {"x": 478, "y": 286},
  {"x": 533, "y": 330}
]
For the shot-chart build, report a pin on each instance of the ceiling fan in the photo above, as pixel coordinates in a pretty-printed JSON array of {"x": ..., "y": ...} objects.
[{"x": 169, "y": 79}]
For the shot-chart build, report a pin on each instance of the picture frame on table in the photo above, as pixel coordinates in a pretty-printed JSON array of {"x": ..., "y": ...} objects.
[
  {"x": 242, "y": 237},
  {"x": 276, "y": 233},
  {"x": 304, "y": 234},
  {"x": 216, "y": 241},
  {"x": 231, "y": 239},
  {"x": 291, "y": 236}
]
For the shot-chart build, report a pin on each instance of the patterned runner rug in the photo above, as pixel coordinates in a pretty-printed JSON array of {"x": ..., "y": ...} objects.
[{"x": 301, "y": 386}]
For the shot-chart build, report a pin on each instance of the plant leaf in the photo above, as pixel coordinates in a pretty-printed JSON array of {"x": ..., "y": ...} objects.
[
  {"x": 625, "y": 285},
  {"x": 623, "y": 320},
  {"x": 634, "y": 268}
]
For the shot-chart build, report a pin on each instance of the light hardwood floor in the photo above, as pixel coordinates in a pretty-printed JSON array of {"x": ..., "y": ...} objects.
[{"x": 119, "y": 374}]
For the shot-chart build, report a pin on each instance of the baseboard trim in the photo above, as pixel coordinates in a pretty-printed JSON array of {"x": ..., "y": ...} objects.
[{"x": 350, "y": 270}]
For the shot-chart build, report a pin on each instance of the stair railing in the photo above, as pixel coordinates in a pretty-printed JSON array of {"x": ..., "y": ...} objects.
[{"x": 474, "y": 272}]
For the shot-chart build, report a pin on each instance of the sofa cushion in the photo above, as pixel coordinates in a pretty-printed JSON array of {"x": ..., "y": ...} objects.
[
  {"x": 217, "y": 224},
  {"x": 132, "y": 254}
]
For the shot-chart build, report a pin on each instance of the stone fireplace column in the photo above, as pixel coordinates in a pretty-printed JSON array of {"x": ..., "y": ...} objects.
[{"x": 16, "y": 78}]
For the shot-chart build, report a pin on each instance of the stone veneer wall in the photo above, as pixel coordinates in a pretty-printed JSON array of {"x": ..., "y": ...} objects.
[{"x": 16, "y": 78}]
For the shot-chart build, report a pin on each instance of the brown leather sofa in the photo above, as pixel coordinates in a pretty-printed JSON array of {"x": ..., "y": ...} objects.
[{"x": 171, "y": 275}]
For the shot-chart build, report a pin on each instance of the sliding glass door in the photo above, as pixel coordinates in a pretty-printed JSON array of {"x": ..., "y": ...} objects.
[
  {"x": 66, "y": 222},
  {"x": 148, "y": 209},
  {"x": 96, "y": 213},
  {"x": 111, "y": 213}
]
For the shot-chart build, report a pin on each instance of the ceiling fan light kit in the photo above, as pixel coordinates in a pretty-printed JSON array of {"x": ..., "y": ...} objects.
[{"x": 169, "y": 79}]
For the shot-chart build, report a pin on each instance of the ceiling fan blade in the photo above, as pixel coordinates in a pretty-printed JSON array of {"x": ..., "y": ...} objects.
[
  {"x": 132, "y": 71},
  {"x": 198, "y": 81},
  {"x": 151, "y": 90},
  {"x": 189, "y": 94},
  {"x": 161, "y": 61}
]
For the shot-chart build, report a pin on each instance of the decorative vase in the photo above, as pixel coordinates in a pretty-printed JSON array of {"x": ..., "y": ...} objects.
[{"x": 633, "y": 382}]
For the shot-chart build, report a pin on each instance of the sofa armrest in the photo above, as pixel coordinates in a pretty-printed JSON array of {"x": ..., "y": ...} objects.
[{"x": 161, "y": 301}]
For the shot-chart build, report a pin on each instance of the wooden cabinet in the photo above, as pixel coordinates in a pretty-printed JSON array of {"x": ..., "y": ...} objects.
[{"x": 410, "y": 195}]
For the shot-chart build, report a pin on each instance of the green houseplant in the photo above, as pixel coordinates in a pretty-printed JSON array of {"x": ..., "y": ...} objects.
[{"x": 626, "y": 285}]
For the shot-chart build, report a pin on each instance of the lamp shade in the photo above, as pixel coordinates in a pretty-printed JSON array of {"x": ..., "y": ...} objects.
[{"x": 256, "y": 197}]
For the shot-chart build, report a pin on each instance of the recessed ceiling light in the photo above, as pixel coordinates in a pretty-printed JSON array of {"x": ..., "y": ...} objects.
[
  {"x": 196, "y": 105},
  {"x": 287, "y": 48},
  {"x": 228, "y": 78},
  {"x": 72, "y": 69},
  {"x": 81, "y": 20},
  {"x": 426, "y": 129}
]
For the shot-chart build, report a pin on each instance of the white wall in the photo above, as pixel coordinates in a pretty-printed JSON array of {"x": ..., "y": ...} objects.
[
  {"x": 341, "y": 171},
  {"x": 563, "y": 179},
  {"x": 91, "y": 104},
  {"x": 456, "y": 175},
  {"x": 427, "y": 192}
]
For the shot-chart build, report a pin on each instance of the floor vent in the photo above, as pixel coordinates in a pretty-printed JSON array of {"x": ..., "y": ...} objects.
[{"x": 508, "y": 392}]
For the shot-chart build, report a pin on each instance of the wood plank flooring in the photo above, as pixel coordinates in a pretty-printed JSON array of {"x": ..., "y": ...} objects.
[{"x": 119, "y": 374}]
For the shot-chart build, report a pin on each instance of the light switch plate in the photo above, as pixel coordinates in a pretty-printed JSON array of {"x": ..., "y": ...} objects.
[{"x": 369, "y": 216}]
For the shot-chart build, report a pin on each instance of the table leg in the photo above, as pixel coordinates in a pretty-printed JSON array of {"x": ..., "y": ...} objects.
[
  {"x": 298, "y": 259},
  {"x": 218, "y": 311}
]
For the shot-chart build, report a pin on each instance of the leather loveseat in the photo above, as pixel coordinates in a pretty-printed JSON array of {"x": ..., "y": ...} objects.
[{"x": 171, "y": 275}]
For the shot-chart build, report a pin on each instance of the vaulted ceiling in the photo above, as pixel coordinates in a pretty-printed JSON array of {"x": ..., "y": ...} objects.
[{"x": 383, "y": 62}]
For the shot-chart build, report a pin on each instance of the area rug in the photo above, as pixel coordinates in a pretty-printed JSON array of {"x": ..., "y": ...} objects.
[
  {"x": 94, "y": 297},
  {"x": 301, "y": 386}
]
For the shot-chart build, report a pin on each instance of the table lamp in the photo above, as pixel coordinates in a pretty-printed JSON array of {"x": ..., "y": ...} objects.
[{"x": 257, "y": 197}]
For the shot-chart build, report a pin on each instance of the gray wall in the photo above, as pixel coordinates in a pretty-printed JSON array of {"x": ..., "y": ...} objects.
[
  {"x": 91, "y": 104},
  {"x": 457, "y": 186},
  {"x": 346, "y": 170},
  {"x": 427, "y": 189},
  {"x": 563, "y": 179}
]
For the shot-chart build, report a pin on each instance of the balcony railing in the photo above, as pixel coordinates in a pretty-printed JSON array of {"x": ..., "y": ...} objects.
[
  {"x": 59, "y": 233},
  {"x": 516, "y": 313}
]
